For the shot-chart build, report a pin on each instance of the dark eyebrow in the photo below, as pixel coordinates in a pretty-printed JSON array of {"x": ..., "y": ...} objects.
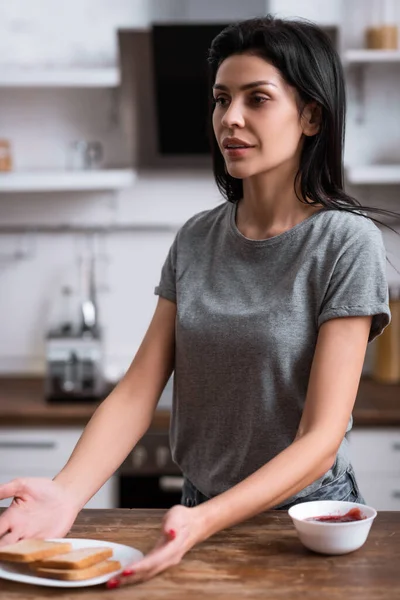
[{"x": 246, "y": 86}]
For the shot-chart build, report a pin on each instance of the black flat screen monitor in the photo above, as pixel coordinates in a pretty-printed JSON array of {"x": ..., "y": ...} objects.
[{"x": 181, "y": 86}]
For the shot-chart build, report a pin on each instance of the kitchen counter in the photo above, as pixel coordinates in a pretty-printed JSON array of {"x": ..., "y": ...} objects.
[
  {"x": 259, "y": 559},
  {"x": 377, "y": 405},
  {"x": 22, "y": 404}
]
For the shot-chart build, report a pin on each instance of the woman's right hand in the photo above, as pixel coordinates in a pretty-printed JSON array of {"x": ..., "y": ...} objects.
[{"x": 41, "y": 509}]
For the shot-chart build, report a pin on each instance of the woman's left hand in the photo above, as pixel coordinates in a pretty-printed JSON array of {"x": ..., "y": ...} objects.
[{"x": 182, "y": 528}]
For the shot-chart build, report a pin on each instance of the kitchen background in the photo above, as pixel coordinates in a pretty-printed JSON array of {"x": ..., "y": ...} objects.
[{"x": 88, "y": 202}]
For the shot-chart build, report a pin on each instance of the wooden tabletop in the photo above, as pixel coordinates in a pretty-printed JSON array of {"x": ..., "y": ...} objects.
[
  {"x": 259, "y": 559},
  {"x": 22, "y": 403}
]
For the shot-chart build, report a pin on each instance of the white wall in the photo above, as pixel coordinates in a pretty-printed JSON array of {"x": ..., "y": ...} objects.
[
  {"x": 216, "y": 10},
  {"x": 83, "y": 31},
  {"x": 328, "y": 12},
  {"x": 74, "y": 32},
  {"x": 41, "y": 123},
  {"x": 129, "y": 263}
]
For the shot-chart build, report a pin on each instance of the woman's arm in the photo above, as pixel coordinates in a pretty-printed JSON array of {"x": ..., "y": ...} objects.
[
  {"x": 332, "y": 390},
  {"x": 125, "y": 415}
]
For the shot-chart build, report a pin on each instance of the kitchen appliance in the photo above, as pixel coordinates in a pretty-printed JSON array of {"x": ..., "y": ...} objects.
[
  {"x": 148, "y": 477},
  {"x": 182, "y": 73},
  {"x": 74, "y": 352},
  {"x": 74, "y": 368}
]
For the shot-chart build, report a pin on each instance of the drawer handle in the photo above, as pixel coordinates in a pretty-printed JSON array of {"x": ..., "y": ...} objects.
[
  {"x": 171, "y": 484},
  {"x": 27, "y": 445},
  {"x": 396, "y": 446},
  {"x": 396, "y": 495}
]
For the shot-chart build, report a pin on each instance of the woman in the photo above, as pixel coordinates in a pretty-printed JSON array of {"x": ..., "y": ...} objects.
[{"x": 267, "y": 303}]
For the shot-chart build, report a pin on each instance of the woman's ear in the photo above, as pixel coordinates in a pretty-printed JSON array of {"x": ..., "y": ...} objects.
[{"x": 311, "y": 119}]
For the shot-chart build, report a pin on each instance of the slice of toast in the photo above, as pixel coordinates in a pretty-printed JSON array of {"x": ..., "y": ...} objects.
[
  {"x": 26, "y": 551},
  {"x": 106, "y": 566},
  {"x": 77, "y": 559}
]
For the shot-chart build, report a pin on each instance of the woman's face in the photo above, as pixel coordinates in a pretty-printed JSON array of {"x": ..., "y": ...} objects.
[{"x": 256, "y": 118}]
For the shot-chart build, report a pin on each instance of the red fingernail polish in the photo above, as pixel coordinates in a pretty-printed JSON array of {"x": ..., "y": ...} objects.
[
  {"x": 128, "y": 572},
  {"x": 172, "y": 534},
  {"x": 113, "y": 583}
]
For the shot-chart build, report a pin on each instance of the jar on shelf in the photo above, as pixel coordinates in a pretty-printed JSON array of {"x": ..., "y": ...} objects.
[
  {"x": 5, "y": 156},
  {"x": 389, "y": 37},
  {"x": 382, "y": 33}
]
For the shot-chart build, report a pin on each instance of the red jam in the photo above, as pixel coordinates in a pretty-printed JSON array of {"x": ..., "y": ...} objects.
[{"x": 354, "y": 514}]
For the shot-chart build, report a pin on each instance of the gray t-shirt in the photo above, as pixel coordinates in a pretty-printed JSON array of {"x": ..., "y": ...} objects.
[{"x": 248, "y": 313}]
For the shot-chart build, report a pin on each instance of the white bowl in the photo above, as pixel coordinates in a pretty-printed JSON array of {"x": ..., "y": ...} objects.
[{"x": 331, "y": 538}]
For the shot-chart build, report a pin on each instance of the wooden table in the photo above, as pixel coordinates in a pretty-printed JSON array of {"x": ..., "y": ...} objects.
[{"x": 261, "y": 558}]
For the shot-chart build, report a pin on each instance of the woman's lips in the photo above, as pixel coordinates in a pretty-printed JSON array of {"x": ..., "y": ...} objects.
[{"x": 237, "y": 152}]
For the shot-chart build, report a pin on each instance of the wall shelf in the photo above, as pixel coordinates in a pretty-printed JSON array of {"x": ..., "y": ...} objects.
[
  {"x": 59, "y": 181},
  {"x": 69, "y": 77},
  {"x": 357, "y": 61},
  {"x": 371, "y": 56},
  {"x": 100, "y": 229},
  {"x": 374, "y": 174}
]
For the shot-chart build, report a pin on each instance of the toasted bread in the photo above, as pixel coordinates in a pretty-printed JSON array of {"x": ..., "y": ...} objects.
[
  {"x": 77, "y": 559},
  {"x": 26, "y": 551},
  {"x": 106, "y": 566}
]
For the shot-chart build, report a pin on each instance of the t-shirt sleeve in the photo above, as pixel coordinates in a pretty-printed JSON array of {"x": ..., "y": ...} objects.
[
  {"x": 167, "y": 286},
  {"x": 358, "y": 285}
]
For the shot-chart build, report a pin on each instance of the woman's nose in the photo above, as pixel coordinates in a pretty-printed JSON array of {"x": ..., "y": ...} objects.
[{"x": 233, "y": 116}]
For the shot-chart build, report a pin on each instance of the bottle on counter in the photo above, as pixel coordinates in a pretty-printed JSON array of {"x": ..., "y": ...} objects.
[
  {"x": 6, "y": 164},
  {"x": 386, "y": 365}
]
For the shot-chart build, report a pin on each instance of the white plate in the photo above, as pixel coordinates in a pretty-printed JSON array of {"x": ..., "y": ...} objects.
[{"x": 125, "y": 554}]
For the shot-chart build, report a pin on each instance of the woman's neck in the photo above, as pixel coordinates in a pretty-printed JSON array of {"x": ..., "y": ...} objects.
[{"x": 270, "y": 206}]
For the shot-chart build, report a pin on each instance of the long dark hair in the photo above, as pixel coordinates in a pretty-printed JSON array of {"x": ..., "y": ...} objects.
[{"x": 307, "y": 60}]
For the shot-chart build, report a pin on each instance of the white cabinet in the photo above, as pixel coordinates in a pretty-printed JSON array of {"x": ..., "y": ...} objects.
[
  {"x": 42, "y": 453},
  {"x": 375, "y": 456}
]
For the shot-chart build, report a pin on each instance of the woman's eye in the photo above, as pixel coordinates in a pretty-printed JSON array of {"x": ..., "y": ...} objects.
[
  {"x": 220, "y": 100},
  {"x": 259, "y": 99}
]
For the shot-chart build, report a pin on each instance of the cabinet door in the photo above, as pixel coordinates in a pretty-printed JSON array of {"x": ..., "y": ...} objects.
[
  {"x": 375, "y": 450},
  {"x": 381, "y": 491},
  {"x": 36, "y": 450},
  {"x": 375, "y": 456},
  {"x": 42, "y": 452},
  {"x": 107, "y": 496}
]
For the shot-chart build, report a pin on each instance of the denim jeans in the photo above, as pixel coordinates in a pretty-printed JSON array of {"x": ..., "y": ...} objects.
[{"x": 343, "y": 488}]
